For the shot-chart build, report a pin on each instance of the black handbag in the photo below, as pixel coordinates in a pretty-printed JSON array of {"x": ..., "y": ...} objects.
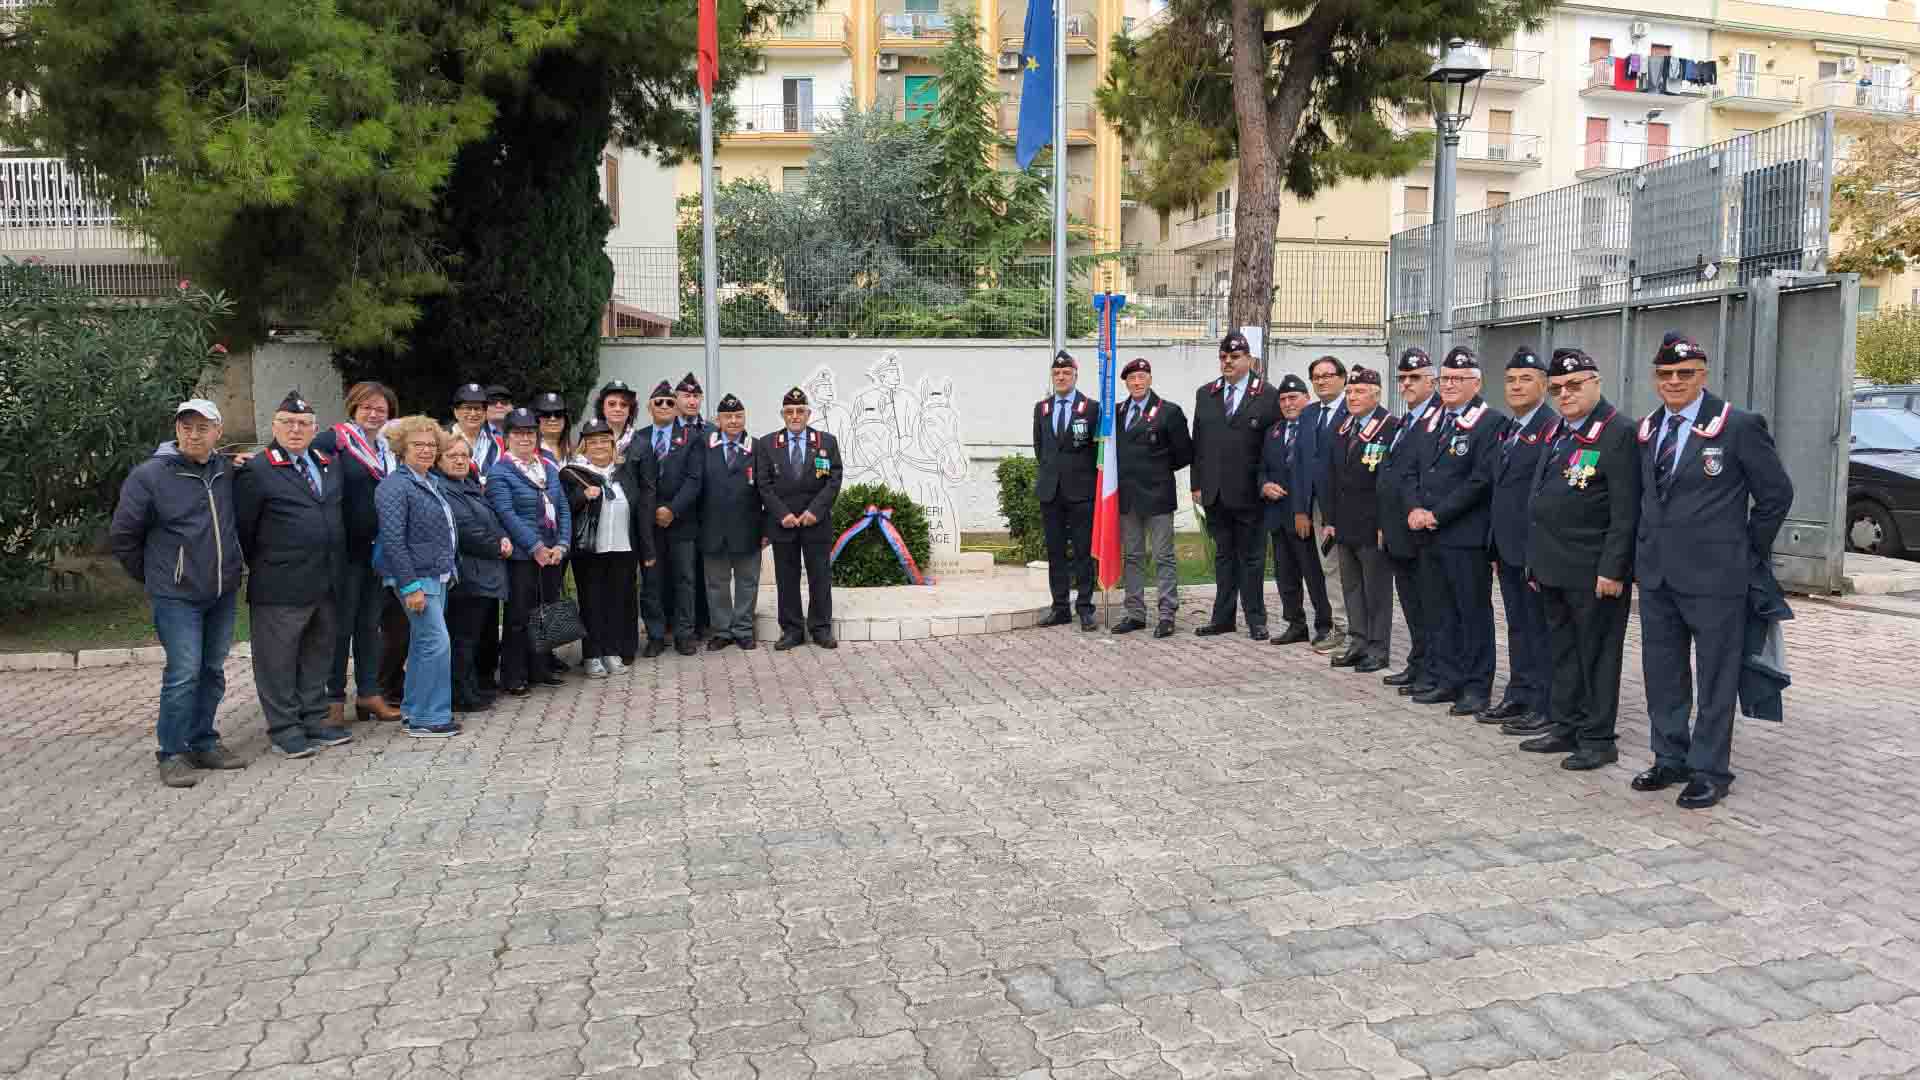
[{"x": 555, "y": 623}]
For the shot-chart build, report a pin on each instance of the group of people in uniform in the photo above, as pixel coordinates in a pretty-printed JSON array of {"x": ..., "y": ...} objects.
[{"x": 1563, "y": 498}]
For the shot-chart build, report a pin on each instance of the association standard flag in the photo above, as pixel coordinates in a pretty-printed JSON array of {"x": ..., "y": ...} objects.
[
  {"x": 1036, "y": 85},
  {"x": 1106, "y": 506}
]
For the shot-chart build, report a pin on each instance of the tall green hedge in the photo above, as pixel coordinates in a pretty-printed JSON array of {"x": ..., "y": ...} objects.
[
  {"x": 868, "y": 560},
  {"x": 1021, "y": 507}
]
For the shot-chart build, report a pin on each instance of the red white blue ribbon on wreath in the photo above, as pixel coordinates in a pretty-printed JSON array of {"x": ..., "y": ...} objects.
[{"x": 884, "y": 518}]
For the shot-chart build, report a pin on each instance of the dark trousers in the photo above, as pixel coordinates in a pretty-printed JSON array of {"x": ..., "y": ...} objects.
[
  {"x": 1529, "y": 647},
  {"x": 1406, "y": 582},
  {"x": 817, "y": 619},
  {"x": 1709, "y": 629},
  {"x": 1366, "y": 580},
  {"x": 292, "y": 655},
  {"x": 1239, "y": 563},
  {"x": 1588, "y": 636},
  {"x": 356, "y": 631},
  {"x": 519, "y": 663},
  {"x": 1294, "y": 561},
  {"x": 1069, "y": 529},
  {"x": 702, "y": 609},
  {"x": 666, "y": 596},
  {"x": 394, "y": 635},
  {"x": 486, "y": 646},
  {"x": 609, "y": 603},
  {"x": 468, "y": 619},
  {"x": 1458, "y": 584}
]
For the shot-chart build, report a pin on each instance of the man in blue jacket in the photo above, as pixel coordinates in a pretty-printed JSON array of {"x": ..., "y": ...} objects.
[
  {"x": 1289, "y": 518},
  {"x": 1319, "y": 423},
  {"x": 174, "y": 532},
  {"x": 1713, "y": 496},
  {"x": 1525, "y": 705}
]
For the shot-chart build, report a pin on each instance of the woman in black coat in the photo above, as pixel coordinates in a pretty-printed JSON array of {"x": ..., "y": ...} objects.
[
  {"x": 482, "y": 546},
  {"x": 612, "y": 506}
]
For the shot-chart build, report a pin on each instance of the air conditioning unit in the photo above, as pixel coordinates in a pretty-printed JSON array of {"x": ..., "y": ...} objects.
[
  {"x": 1638, "y": 30},
  {"x": 1010, "y": 61},
  {"x": 889, "y": 61},
  {"x": 1849, "y": 64}
]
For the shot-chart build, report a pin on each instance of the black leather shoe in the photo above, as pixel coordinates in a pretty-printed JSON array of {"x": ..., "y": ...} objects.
[
  {"x": 1257, "y": 633},
  {"x": 1436, "y": 695},
  {"x": 1088, "y": 624},
  {"x": 655, "y": 646},
  {"x": 1412, "y": 689},
  {"x": 1347, "y": 659},
  {"x": 1296, "y": 633},
  {"x": 1660, "y": 777},
  {"x": 788, "y": 642},
  {"x": 1700, "y": 793},
  {"x": 1212, "y": 629},
  {"x": 1589, "y": 758},
  {"x": 1368, "y": 667},
  {"x": 1403, "y": 677},
  {"x": 516, "y": 691},
  {"x": 1468, "y": 705},
  {"x": 549, "y": 679},
  {"x": 685, "y": 646},
  {"x": 1506, "y": 710},
  {"x": 1164, "y": 628},
  {"x": 719, "y": 643},
  {"x": 1530, "y": 724},
  {"x": 1055, "y": 618},
  {"x": 1128, "y": 625},
  {"x": 1550, "y": 744},
  {"x": 827, "y": 641}
]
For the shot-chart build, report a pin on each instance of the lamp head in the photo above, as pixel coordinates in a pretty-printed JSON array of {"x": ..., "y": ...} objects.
[{"x": 1453, "y": 86}]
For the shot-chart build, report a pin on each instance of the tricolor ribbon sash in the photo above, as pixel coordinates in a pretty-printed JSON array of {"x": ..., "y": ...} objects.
[{"x": 884, "y": 519}]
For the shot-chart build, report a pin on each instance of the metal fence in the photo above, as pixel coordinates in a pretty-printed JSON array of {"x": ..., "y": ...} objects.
[
  {"x": 1690, "y": 222},
  {"x": 1317, "y": 289}
]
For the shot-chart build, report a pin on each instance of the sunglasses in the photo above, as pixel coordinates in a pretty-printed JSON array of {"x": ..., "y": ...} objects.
[
  {"x": 663, "y": 402},
  {"x": 1570, "y": 385},
  {"x": 1677, "y": 374}
]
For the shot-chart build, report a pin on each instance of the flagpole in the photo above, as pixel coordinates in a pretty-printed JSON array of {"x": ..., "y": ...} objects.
[
  {"x": 1059, "y": 175},
  {"x": 709, "y": 263}
]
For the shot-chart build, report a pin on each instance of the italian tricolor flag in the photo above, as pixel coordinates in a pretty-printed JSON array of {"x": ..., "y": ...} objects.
[{"x": 1106, "y": 506}]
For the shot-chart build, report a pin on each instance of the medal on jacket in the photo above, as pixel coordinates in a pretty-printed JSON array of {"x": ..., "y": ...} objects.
[
  {"x": 1372, "y": 454},
  {"x": 1581, "y": 467}
]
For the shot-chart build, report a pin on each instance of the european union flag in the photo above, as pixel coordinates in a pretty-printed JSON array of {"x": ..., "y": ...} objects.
[{"x": 1036, "y": 84}]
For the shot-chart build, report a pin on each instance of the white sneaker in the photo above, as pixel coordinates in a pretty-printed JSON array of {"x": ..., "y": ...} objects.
[
  {"x": 596, "y": 669},
  {"x": 616, "y": 666}
]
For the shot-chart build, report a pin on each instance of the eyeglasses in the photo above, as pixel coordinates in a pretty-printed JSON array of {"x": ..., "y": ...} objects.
[
  {"x": 664, "y": 402},
  {"x": 1456, "y": 380},
  {"x": 1323, "y": 376},
  {"x": 1677, "y": 374},
  {"x": 294, "y": 421},
  {"x": 1571, "y": 385}
]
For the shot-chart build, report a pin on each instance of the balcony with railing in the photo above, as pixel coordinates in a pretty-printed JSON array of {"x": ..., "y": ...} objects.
[
  {"x": 1083, "y": 31},
  {"x": 912, "y": 31},
  {"x": 1206, "y": 231},
  {"x": 1081, "y": 121},
  {"x": 1603, "y": 82},
  {"x": 1514, "y": 69},
  {"x": 1864, "y": 96},
  {"x": 823, "y": 33},
  {"x": 1499, "y": 151},
  {"x": 1606, "y": 158},
  {"x": 1757, "y": 92},
  {"x": 48, "y": 209},
  {"x": 779, "y": 124}
]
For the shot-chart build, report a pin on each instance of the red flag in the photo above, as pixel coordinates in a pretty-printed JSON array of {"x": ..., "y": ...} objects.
[{"x": 709, "y": 48}]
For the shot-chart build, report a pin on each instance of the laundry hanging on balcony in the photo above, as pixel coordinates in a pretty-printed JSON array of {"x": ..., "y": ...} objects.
[{"x": 1664, "y": 74}]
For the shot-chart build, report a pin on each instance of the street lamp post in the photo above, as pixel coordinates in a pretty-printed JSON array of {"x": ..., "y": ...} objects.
[{"x": 1453, "y": 88}]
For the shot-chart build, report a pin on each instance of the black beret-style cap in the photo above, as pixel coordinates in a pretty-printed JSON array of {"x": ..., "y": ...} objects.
[
  {"x": 1235, "y": 341},
  {"x": 1526, "y": 358},
  {"x": 1138, "y": 363},
  {"x": 615, "y": 386},
  {"x": 1363, "y": 376},
  {"x": 1292, "y": 384},
  {"x": 1064, "y": 359},
  {"x": 1676, "y": 348},
  {"x": 470, "y": 394},
  {"x": 1415, "y": 359},
  {"x": 549, "y": 402},
  {"x": 496, "y": 392},
  {"x": 689, "y": 385},
  {"x": 1569, "y": 361},
  {"x": 663, "y": 390},
  {"x": 595, "y": 427},
  {"x": 294, "y": 403},
  {"x": 521, "y": 418},
  {"x": 729, "y": 404},
  {"x": 795, "y": 396},
  {"x": 1461, "y": 358}
]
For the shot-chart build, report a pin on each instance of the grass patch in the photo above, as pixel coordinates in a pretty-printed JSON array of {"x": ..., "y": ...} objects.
[{"x": 106, "y": 611}]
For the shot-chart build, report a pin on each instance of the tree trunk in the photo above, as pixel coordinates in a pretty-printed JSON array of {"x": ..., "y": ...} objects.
[{"x": 1266, "y": 131}]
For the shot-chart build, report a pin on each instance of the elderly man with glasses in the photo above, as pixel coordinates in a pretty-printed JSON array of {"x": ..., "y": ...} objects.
[
  {"x": 1395, "y": 485},
  {"x": 1713, "y": 497}
]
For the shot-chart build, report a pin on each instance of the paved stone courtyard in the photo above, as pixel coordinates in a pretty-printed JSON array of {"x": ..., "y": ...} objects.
[{"x": 1036, "y": 854}]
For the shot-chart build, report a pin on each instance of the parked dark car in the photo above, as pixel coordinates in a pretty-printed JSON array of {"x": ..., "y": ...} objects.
[
  {"x": 1891, "y": 397},
  {"x": 1883, "y": 481}
]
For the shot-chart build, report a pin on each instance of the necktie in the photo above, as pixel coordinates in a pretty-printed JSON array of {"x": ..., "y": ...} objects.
[
  {"x": 1134, "y": 416},
  {"x": 1232, "y": 389},
  {"x": 1326, "y": 417},
  {"x": 1060, "y": 416},
  {"x": 730, "y": 452},
  {"x": 1669, "y": 446},
  {"x": 659, "y": 443},
  {"x": 300, "y": 466},
  {"x": 795, "y": 449},
  {"x": 1290, "y": 424}
]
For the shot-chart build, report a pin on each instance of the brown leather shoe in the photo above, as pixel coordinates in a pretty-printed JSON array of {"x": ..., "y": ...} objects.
[{"x": 375, "y": 708}]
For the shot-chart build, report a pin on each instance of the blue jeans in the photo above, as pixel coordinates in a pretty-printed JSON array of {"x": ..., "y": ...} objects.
[
  {"x": 356, "y": 631},
  {"x": 429, "y": 697},
  {"x": 196, "y": 637}
]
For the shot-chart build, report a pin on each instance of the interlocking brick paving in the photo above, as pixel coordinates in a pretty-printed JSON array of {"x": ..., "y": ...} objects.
[{"x": 1037, "y": 854}]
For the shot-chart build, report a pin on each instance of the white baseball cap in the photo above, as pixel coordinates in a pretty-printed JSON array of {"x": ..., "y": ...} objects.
[{"x": 199, "y": 405}]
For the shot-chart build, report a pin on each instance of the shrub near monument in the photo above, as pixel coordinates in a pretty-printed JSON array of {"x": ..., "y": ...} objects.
[
  {"x": 868, "y": 559},
  {"x": 1021, "y": 507}
]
